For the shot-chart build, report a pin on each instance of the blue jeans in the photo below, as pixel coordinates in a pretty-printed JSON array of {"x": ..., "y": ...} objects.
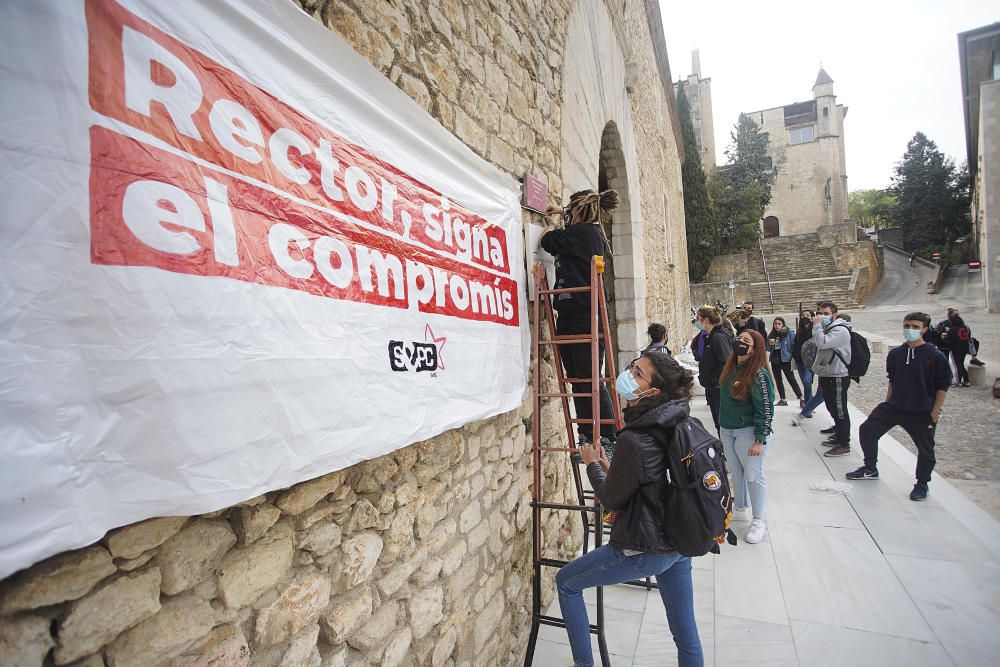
[
  {"x": 814, "y": 402},
  {"x": 806, "y": 376},
  {"x": 607, "y": 565},
  {"x": 749, "y": 483}
]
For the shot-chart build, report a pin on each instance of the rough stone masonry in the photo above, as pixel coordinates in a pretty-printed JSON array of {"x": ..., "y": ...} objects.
[{"x": 421, "y": 557}]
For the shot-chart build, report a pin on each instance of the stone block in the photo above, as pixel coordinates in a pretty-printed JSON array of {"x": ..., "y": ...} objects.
[
  {"x": 95, "y": 620},
  {"x": 250, "y": 523},
  {"x": 444, "y": 646},
  {"x": 470, "y": 517},
  {"x": 375, "y": 630},
  {"x": 189, "y": 556},
  {"x": 132, "y": 541},
  {"x": 321, "y": 539},
  {"x": 24, "y": 641},
  {"x": 67, "y": 576},
  {"x": 426, "y": 608},
  {"x": 298, "y": 606},
  {"x": 346, "y": 614},
  {"x": 301, "y": 497},
  {"x": 365, "y": 516},
  {"x": 397, "y": 648},
  {"x": 303, "y": 651},
  {"x": 399, "y": 539},
  {"x": 180, "y": 621},
  {"x": 247, "y": 572},
  {"x": 361, "y": 553},
  {"x": 977, "y": 376},
  {"x": 224, "y": 647}
]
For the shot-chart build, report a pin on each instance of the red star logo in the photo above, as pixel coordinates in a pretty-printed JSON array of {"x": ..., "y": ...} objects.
[{"x": 438, "y": 342}]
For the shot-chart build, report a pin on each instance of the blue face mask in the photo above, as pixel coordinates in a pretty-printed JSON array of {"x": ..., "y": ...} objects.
[
  {"x": 826, "y": 320},
  {"x": 912, "y": 335},
  {"x": 698, "y": 325},
  {"x": 626, "y": 385}
]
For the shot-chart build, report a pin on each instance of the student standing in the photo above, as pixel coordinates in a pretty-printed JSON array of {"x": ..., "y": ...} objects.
[
  {"x": 753, "y": 322},
  {"x": 803, "y": 333},
  {"x": 919, "y": 377},
  {"x": 832, "y": 337},
  {"x": 657, "y": 340},
  {"x": 658, "y": 392},
  {"x": 718, "y": 347},
  {"x": 958, "y": 337},
  {"x": 779, "y": 344},
  {"x": 747, "y": 409}
]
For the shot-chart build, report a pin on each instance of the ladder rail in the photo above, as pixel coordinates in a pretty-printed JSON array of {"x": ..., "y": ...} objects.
[{"x": 599, "y": 314}]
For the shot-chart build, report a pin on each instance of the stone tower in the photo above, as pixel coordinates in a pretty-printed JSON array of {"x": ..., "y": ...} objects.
[
  {"x": 699, "y": 94},
  {"x": 806, "y": 148}
]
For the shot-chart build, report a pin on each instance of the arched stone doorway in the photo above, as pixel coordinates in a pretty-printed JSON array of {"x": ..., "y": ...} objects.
[
  {"x": 598, "y": 151},
  {"x": 771, "y": 227}
]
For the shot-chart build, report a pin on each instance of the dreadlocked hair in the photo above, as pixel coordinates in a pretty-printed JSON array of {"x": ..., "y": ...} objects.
[{"x": 590, "y": 207}]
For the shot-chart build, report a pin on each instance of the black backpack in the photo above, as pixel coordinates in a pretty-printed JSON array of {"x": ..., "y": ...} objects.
[
  {"x": 861, "y": 357},
  {"x": 699, "y": 502}
]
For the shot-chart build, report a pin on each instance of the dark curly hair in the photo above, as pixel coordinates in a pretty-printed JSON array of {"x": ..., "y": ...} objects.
[{"x": 671, "y": 378}]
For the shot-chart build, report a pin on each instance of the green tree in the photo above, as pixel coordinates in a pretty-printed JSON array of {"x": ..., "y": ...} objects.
[
  {"x": 749, "y": 164},
  {"x": 741, "y": 190},
  {"x": 871, "y": 208},
  {"x": 738, "y": 210},
  {"x": 699, "y": 218},
  {"x": 931, "y": 197}
]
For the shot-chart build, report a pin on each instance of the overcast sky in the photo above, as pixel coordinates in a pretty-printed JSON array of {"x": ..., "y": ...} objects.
[{"x": 894, "y": 65}]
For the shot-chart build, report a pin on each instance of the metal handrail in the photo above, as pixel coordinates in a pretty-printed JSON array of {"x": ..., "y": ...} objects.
[{"x": 767, "y": 277}]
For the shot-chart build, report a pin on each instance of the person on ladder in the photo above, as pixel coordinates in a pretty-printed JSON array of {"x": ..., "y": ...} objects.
[{"x": 574, "y": 247}]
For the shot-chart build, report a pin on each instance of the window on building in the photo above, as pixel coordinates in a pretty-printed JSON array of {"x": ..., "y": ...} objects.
[
  {"x": 996, "y": 65},
  {"x": 800, "y": 135},
  {"x": 826, "y": 112},
  {"x": 768, "y": 165}
]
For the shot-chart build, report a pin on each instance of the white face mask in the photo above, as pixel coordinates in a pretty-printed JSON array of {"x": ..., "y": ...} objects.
[{"x": 912, "y": 335}]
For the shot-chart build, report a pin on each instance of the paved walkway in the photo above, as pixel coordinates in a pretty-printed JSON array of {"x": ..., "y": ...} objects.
[{"x": 866, "y": 578}]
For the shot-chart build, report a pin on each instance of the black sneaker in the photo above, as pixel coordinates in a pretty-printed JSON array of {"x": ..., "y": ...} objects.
[
  {"x": 919, "y": 491},
  {"x": 839, "y": 450},
  {"x": 976, "y": 362},
  {"x": 862, "y": 473},
  {"x": 830, "y": 442},
  {"x": 828, "y": 431}
]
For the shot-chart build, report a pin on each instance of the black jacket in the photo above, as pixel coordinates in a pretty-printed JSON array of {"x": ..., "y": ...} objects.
[
  {"x": 756, "y": 324},
  {"x": 573, "y": 249},
  {"x": 718, "y": 347},
  {"x": 628, "y": 487}
]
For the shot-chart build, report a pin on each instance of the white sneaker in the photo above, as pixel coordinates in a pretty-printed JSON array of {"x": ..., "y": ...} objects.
[
  {"x": 741, "y": 514},
  {"x": 797, "y": 419},
  {"x": 758, "y": 529}
]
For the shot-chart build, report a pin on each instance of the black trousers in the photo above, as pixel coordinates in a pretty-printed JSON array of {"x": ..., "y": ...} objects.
[
  {"x": 835, "y": 397},
  {"x": 780, "y": 368},
  {"x": 713, "y": 395},
  {"x": 577, "y": 364},
  {"x": 918, "y": 425}
]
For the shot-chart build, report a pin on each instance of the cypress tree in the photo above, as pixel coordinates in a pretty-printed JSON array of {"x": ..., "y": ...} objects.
[{"x": 699, "y": 218}]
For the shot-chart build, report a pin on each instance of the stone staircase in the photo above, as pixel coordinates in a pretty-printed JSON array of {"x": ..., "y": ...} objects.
[{"x": 800, "y": 270}]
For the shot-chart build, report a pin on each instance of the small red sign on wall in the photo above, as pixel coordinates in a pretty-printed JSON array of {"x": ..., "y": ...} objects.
[{"x": 535, "y": 194}]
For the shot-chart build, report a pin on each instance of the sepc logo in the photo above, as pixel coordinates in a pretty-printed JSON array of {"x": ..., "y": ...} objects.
[{"x": 417, "y": 356}]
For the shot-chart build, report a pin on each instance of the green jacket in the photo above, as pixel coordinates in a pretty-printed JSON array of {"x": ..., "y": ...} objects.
[{"x": 756, "y": 410}]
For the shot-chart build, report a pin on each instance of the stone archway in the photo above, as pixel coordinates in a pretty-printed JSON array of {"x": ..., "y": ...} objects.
[{"x": 598, "y": 147}]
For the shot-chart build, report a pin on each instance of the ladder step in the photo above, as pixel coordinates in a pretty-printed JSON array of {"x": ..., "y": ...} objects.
[
  {"x": 567, "y": 340},
  {"x": 588, "y": 380},
  {"x": 559, "y": 623},
  {"x": 568, "y": 394},
  {"x": 563, "y": 506},
  {"x": 564, "y": 290},
  {"x": 591, "y": 421}
]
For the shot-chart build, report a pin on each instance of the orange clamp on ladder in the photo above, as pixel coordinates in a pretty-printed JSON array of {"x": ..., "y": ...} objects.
[{"x": 588, "y": 506}]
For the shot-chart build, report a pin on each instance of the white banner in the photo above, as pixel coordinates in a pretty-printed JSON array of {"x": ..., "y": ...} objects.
[{"x": 233, "y": 256}]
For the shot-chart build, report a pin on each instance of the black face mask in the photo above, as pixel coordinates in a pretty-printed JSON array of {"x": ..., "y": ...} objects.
[{"x": 742, "y": 349}]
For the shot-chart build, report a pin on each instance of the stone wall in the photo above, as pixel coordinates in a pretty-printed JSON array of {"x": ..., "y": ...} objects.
[
  {"x": 424, "y": 556},
  {"x": 702, "y": 293},
  {"x": 863, "y": 255},
  {"x": 728, "y": 267},
  {"x": 830, "y": 235}
]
